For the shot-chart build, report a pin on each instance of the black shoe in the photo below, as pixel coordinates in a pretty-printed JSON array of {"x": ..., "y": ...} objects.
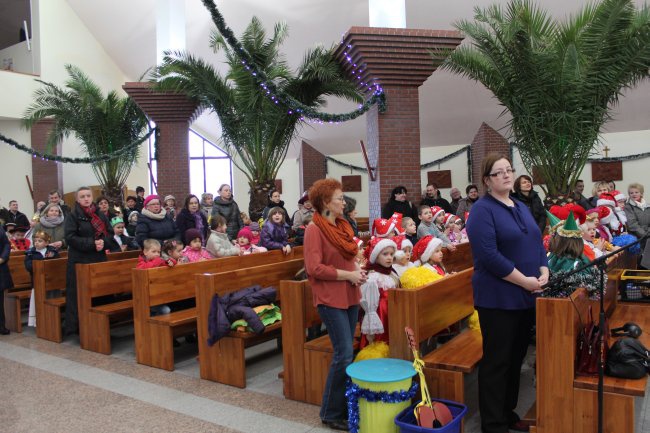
[
  {"x": 337, "y": 425},
  {"x": 4, "y": 331}
]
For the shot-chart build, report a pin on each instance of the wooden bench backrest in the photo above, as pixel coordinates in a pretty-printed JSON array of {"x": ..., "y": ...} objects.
[
  {"x": 163, "y": 285},
  {"x": 106, "y": 278},
  {"x": 19, "y": 274},
  {"x": 558, "y": 323},
  {"x": 428, "y": 310},
  {"x": 459, "y": 260},
  {"x": 363, "y": 224}
]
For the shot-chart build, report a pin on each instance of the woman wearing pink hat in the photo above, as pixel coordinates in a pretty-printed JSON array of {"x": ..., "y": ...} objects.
[{"x": 155, "y": 222}]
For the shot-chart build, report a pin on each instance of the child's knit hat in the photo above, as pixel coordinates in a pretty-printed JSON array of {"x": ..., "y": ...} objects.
[
  {"x": 436, "y": 211},
  {"x": 376, "y": 246},
  {"x": 191, "y": 234},
  {"x": 149, "y": 198},
  {"x": 245, "y": 233},
  {"x": 425, "y": 247},
  {"x": 116, "y": 220},
  {"x": 255, "y": 227}
]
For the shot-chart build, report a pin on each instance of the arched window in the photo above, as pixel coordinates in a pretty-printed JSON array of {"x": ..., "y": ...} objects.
[{"x": 209, "y": 165}]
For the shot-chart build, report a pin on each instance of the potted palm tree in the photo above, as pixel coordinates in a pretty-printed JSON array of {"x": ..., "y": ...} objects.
[
  {"x": 103, "y": 124},
  {"x": 256, "y": 130},
  {"x": 557, "y": 80}
]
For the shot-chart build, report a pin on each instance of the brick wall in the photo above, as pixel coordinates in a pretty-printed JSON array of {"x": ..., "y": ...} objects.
[
  {"x": 313, "y": 166},
  {"x": 173, "y": 174},
  {"x": 486, "y": 141},
  {"x": 394, "y": 146},
  {"x": 46, "y": 175}
]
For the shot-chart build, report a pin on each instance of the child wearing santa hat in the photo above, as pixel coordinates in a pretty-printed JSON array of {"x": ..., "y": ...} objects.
[
  {"x": 374, "y": 292},
  {"x": 614, "y": 223},
  {"x": 428, "y": 251},
  {"x": 402, "y": 260},
  {"x": 454, "y": 228}
]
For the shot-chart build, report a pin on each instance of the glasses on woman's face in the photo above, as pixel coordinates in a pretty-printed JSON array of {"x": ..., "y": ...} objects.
[{"x": 502, "y": 173}]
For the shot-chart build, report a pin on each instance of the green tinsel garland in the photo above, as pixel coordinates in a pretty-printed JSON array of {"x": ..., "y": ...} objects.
[{"x": 378, "y": 96}]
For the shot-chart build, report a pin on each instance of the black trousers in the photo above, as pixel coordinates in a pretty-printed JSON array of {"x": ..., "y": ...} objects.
[
  {"x": 506, "y": 334},
  {"x": 2, "y": 308}
]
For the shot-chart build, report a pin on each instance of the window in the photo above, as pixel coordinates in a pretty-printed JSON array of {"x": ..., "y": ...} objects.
[{"x": 209, "y": 165}]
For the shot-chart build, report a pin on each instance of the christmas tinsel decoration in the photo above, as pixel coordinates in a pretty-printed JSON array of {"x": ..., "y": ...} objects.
[
  {"x": 354, "y": 393},
  {"x": 87, "y": 160},
  {"x": 378, "y": 97}
]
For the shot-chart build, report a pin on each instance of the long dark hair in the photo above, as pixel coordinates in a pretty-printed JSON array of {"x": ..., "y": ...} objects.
[{"x": 186, "y": 205}]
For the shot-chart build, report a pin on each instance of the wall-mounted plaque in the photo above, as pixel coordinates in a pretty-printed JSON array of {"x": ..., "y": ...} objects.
[
  {"x": 442, "y": 178},
  {"x": 351, "y": 183},
  {"x": 606, "y": 171}
]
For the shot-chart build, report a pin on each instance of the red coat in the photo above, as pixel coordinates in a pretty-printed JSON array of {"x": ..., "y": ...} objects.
[{"x": 143, "y": 263}]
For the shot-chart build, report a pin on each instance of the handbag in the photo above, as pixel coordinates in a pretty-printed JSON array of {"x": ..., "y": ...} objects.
[
  {"x": 588, "y": 350},
  {"x": 629, "y": 359}
]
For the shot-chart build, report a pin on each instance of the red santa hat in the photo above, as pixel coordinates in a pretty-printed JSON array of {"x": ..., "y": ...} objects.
[
  {"x": 382, "y": 228},
  {"x": 396, "y": 219},
  {"x": 450, "y": 218},
  {"x": 425, "y": 247},
  {"x": 618, "y": 196},
  {"x": 605, "y": 214},
  {"x": 562, "y": 212},
  {"x": 436, "y": 211},
  {"x": 606, "y": 199},
  {"x": 358, "y": 241},
  {"x": 376, "y": 246},
  {"x": 401, "y": 243}
]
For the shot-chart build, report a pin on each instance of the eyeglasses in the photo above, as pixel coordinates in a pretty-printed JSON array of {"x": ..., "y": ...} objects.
[{"x": 502, "y": 173}]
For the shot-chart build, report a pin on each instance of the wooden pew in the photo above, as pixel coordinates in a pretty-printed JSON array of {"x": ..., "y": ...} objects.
[
  {"x": 151, "y": 287},
  {"x": 18, "y": 296},
  {"x": 306, "y": 363},
  {"x": 50, "y": 275},
  {"x": 458, "y": 260},
  {"x": 103, "y": 279},
  {"x": 429, "y": 310},
  {"x": 565, "y": 402},
  {"x": 225, "y": 362}
]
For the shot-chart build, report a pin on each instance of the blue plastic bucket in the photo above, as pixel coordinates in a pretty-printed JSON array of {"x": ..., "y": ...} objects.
[{"x": 408, "y": 424}]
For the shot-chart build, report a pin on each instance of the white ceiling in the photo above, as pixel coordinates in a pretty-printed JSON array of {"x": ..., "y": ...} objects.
[{"x": 451, "y": 108}]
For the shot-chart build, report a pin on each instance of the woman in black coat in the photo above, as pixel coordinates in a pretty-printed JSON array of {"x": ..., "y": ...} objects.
[
  {"x": 525, "y": 193},
  {"x": 225, "y": 206},
  {"x": 275, "y": 201},
  {"x": 155, "y": 223},
  {"x": 191, "y": 217},
  {"x": 86, "y": 228},
  {"x": 5, "y": 277},
  {"x": 397, "y": 202}
]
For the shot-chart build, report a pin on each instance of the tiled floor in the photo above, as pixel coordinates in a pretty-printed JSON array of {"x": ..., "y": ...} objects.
[{"x": 48, "y": 387}]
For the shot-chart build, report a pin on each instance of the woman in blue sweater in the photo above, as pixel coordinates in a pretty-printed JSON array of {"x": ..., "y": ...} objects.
[{"x": 510, "y": 266}]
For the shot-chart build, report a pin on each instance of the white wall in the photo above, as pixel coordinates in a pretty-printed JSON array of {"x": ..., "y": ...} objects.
[
  {"x": 20, "y": 57},
  {"x": 14, "y": 165}
]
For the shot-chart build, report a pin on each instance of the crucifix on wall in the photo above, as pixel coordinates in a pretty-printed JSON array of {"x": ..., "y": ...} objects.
[{"x": 606, "y": 150}]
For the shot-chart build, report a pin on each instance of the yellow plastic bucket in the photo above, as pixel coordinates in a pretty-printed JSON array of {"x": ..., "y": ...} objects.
[{"x": 381, "y": 375}]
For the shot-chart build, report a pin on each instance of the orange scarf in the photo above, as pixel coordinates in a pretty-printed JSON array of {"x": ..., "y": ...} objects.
[{"x": 339, "y": 235}]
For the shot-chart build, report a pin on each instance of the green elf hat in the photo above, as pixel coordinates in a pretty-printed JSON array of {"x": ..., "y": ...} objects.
[
  {"x": 570, "y": 228},
  {"x": 115, "y": 221},
  {"x": 552, "y": 219}
]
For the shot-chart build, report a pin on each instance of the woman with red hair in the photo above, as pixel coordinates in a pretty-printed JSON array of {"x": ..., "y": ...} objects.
[{"x": 335, "y": 278}]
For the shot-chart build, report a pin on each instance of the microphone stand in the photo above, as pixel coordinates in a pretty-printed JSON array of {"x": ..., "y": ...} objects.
[{"x": 601, "y": 264}]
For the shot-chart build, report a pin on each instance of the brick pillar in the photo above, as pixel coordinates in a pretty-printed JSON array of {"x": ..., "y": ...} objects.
[
  {"x": 400, "y": 61},
  {"x": 486, "y": 141},
  {"x": 313, "y": 166},
  {"x": 173, "y": 114},
  {"x": 46, "y": 175}
]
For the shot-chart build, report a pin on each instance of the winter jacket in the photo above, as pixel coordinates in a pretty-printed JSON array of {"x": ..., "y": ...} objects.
[
  {"x": 56, "y": 233},
  {"x": 196, "y": 256},
  {"x": 80, "y": 237},
  {"x": 464, "y": 205},
  {"x": 638, "y": 220},
  {"x": 534, "y": 203},
  {"x": 19, "y": 218},
  {"x": 185, "y": 220},
  {"x": 31, "y": 255},
  {"x": 112, "y": 246},
  {"x": 406, "y": 208},
  {"x": 143, "y": 263},
  {"x": 438, "y": 201},
  {"x": 237, "y": 305},
  {"x": 271, "y": 205},
  {"x": 220, "y": 246},
  {"x": 299, "y": 217},
  {"x": 274, "y": 236},
  {"x": 5, "y": 276},
  {"x": 230, "y": 211},
  {"x": 161, "y": 230}
]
